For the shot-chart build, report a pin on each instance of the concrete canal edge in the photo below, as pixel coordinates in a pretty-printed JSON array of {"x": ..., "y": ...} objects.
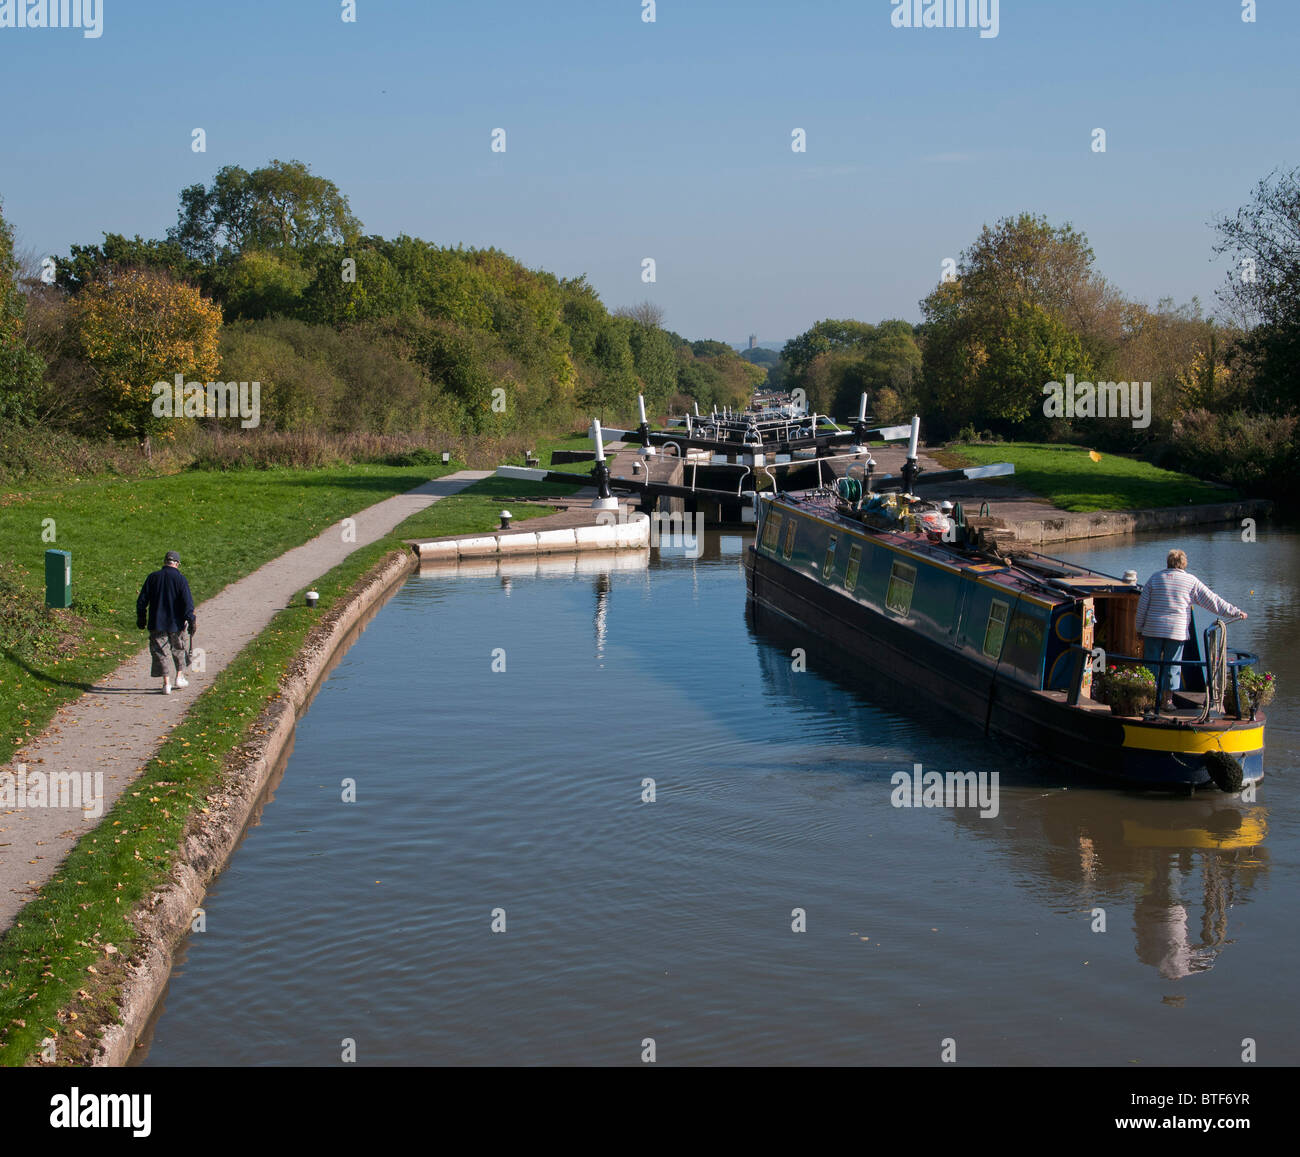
[
  {"x": 1100, "y": 524},
  {"x": 164, "y": 918}
]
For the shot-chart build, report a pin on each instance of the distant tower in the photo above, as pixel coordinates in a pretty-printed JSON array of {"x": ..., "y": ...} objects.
[{"x": 753, "y": 340}]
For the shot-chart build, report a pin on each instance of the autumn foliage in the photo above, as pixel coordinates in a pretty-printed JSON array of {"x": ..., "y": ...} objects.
[{"x": 138, "y": 327}]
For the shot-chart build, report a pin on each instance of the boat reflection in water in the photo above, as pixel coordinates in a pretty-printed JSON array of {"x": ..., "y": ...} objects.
[
  {"x": 1181, "y": 865},
  {"x": 1096, "y": 850}
]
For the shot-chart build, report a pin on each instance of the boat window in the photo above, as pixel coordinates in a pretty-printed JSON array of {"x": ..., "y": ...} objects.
[
  {"x": 1025, "y": 637},
  {"x": 902, "y": 578},
  {"x": 771, "y": 529},
  {"x": 828, "y": 563},
  {"x": 996, "y": 630},
  {"x": 789, "y": 539},
  {"x": 851, "y": 571}
]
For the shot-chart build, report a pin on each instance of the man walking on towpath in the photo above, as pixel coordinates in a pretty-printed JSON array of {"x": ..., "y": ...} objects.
[
  {"x": 1162, "y": 614},
  {"x": 164, "y": 608}
]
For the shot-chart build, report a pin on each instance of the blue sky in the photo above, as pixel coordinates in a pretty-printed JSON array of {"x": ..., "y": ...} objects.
[{"x": 672, "y": 140}]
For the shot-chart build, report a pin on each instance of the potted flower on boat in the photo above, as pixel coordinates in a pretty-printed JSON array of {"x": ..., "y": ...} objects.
[
  {"x": 1256, "y": 688},
  {"x": 1127, "y": 690}
]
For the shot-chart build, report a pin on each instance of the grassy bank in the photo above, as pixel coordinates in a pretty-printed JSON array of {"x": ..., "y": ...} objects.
[
  {"x": 41, "y": 457},
  {"x": 543, "y": 447},
  {"x": 224, "y": 524},
  {"x": 60, "y": 961},
  {"x": 1070, "y": 478}
]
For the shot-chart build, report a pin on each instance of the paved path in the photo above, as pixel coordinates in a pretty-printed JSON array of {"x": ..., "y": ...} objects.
[{"x": 118, "y": 725}]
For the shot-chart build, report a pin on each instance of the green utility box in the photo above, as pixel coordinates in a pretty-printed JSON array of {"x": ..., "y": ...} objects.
[{"x": 58, "y": 578}]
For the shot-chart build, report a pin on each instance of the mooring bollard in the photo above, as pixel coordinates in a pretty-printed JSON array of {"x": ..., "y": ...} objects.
[
  {"x": 604, "y": 500},
  {"x": 506, "y": 516},
  {"x": 313, "y": 597}
]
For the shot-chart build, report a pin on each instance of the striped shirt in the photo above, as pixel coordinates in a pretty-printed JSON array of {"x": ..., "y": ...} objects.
[{"x": 1167, "y": 600}]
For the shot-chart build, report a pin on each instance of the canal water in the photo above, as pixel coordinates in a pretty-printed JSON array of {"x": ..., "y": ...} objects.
[{"x": 503, "y": 734}]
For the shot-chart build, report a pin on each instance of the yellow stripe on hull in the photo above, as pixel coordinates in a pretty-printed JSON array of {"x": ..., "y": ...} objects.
[{"x": 1190, "y": 742}]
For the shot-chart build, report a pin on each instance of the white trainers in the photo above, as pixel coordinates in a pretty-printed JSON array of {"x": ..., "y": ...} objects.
[
  {"x": 167, "y": 686},
  {"x": 181, "y": 681}
]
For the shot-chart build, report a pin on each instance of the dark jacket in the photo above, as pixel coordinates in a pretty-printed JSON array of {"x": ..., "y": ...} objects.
[{"x": 166, "y": 596}]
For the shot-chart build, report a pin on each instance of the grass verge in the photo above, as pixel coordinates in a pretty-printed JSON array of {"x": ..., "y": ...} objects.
[
  {"x": 61, "y": 961},
  {"x": 543, "y": 448},
  {"x": 1071, "y": 479},
  {"x": 224, "y": 524}
]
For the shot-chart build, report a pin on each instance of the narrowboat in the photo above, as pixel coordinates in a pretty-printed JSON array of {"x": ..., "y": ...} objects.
[{"x": 1003, "y": 641}]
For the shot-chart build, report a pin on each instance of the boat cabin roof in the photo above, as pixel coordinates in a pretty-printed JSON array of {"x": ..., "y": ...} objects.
[{"x": 1053, "y": 579}]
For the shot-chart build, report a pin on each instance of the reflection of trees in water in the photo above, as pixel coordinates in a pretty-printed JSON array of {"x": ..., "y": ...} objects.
[{"x": 1182, "y": 863}]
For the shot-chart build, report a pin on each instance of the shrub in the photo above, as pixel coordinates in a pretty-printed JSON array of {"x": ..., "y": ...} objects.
[
  {"x": 38, "y": 454},
  {"x": 1255, "y": 453},
  {"x": 26, "y": 626}
]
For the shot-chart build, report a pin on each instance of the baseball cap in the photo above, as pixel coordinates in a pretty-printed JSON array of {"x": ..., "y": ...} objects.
[{"x": 171, "y": 556}]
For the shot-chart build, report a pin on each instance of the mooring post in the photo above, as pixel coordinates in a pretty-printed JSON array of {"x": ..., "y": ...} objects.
[
  {"x": 860, "y": 429},
  {"x": 604, "y": 499},
  {"x": 645, "y": 426},
  {"x": 910, "y": 468}
]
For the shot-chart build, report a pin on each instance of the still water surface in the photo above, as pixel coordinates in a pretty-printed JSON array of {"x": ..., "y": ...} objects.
[{"x": 522, "y": 790}]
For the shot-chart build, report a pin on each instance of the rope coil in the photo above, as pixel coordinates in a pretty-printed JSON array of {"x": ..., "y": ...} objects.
[{"x": 1216, "y": 664}]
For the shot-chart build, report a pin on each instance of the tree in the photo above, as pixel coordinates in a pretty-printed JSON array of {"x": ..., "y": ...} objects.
[
  {"x": 85, "y": 263},
  {"x": 258, "y": 283},
  {"x": 655, "y": 363},
  {"x": 822, "y": 338},
  {"x": 370, "y": 287},
  {"x": 1033, "y": 348},
  {"x": 584, "y": 316},
  {"x": 1026, "y": 303},
  {"x": 644, "y": 313},
  {"x": 707, "y": 348},
  {"x": 613, "y": 385},
  {"x": 713, "y": 374},
  {"x": 835, "y": 360},
  {"x": 1263, "y": 288},
  {"x": 282, "y": 207},
  {"x": 21, "y": 370},
  {"x": 138, "y": 328}
]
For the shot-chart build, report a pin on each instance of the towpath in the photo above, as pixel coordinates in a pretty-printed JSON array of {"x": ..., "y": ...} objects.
[{"x": 117, "y": 725}]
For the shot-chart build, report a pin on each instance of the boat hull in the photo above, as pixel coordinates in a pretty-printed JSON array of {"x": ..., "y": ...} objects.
[{"x": 1140, "y": 753}]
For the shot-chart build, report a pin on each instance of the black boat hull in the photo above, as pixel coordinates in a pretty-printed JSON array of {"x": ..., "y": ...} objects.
[{"x": 1154, "y": 755}]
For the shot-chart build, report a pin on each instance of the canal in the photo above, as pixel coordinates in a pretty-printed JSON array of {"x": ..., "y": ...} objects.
[{"x": 504, "y": 735}]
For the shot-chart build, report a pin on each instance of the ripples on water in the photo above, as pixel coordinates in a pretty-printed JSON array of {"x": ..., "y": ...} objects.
[{"x": 522, "y": 790}]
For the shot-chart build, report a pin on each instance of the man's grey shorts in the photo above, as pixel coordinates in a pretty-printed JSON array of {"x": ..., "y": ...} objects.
[{"x": 159, "y": 643}]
